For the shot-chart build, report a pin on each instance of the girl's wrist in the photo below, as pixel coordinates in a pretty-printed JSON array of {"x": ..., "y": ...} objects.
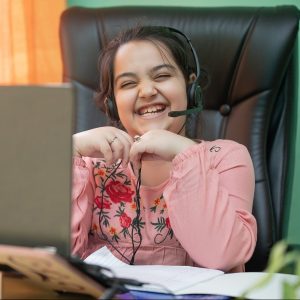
[{"x": 184, "y": 145}]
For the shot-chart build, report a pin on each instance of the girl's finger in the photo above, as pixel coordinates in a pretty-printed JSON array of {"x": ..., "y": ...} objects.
[
  {"x": 125, "y": 144},
  {"x": 106, "y": 150}
]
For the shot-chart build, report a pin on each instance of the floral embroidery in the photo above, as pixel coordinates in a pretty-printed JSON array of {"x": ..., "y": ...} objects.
[
  {"x": 125, "y": 221},
  {"x": 101, "y": 172},
  {"x": 118, "y": 192},
  {"x": 156, "y": 201},
  {"x": 112, "y": 230},
  {"x": 161, "y": 224},
  {"x": 115, "y": 209},
  {"x": 102, "y": 204},
  {"x": 133, "y": 206},
  {"x": 114, "y": 189},
  {"x": 168, "y": 224}
]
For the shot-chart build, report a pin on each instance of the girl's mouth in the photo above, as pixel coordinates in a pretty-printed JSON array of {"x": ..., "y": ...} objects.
[{"x": 151, "y": 110}]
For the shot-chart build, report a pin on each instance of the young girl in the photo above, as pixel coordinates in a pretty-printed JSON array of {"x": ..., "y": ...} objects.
[{"x": 150, "y": 194}]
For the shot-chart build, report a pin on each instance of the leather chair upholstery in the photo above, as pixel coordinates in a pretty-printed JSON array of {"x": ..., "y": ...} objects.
[{"x": 250, "y": 55}]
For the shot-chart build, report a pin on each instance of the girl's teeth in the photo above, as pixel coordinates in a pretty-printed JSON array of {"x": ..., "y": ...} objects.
[{"x": 152, "y": 110}]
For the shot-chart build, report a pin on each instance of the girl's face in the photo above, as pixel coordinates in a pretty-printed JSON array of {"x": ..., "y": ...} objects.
[{"x": 147, "y": 85}]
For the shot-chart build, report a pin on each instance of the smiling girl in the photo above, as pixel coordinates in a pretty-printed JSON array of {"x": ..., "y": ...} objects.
[{"x": 149, "y": 193}]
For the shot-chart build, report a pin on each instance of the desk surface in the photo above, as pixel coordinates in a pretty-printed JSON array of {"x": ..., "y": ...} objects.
[{"x": 18, "y": 287}]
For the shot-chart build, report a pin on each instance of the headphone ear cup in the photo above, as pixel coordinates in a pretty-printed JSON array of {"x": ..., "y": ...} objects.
[
  {"x": 194, "y": 94},
  {"x": 111, "y": 109},
  {"x": 191, "y": 95},
  {"x": 198, "y": 96}
]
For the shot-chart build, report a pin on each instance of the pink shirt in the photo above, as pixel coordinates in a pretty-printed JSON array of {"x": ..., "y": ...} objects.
[{"x": 201, "y": 216}]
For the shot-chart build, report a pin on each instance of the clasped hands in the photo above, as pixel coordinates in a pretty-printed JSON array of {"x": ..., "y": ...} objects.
[{"x": 113, "y": 144}]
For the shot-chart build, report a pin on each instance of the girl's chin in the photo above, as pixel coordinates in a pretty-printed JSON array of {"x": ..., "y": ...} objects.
[{"x": 157, "y": 126}]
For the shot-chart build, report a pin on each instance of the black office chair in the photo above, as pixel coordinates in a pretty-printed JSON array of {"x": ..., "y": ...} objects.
[{"x": 250, "y": 55}]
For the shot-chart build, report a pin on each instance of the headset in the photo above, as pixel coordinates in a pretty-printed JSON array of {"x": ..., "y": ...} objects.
[{"x": 194, "y": 92}]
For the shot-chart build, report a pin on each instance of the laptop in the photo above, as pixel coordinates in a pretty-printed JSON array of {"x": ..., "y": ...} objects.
[{"x": 36, "y": 126}]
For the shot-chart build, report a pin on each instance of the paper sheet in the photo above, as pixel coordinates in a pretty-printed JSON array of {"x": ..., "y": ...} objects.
[
  {"x": 235, "y": 284},
  {"x": 159, "y": 278}
]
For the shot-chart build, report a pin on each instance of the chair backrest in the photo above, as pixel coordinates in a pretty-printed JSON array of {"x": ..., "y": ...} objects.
[{"x": 250, "y": 55}]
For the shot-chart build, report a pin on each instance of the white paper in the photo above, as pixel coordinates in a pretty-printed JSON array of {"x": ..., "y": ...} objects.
[
  {"x": 158, "y": 278},
  {"x": 235, "y": 284},
  {"x": 190, "y": 280},
  {"x": 103, "y": 257}
]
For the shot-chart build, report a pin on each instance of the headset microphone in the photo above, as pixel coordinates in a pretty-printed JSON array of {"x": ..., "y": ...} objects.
[
  {"x": 196, "y": 93},
  {"x": 178, "y": 113}
]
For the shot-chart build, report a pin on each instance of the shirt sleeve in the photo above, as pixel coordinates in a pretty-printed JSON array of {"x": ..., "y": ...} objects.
[
  {"x": 82, "y": 205},
  {"x": 209, "y": 198}
]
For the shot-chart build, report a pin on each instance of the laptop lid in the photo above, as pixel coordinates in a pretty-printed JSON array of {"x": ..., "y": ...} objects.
[{"x": 36, "y": 126}]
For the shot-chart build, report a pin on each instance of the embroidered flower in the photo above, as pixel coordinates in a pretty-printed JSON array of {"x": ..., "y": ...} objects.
[
  {"x": 168, "y": 224},
  {"x": 118, "y": 192},
  {"x": 163, "y": 228},
  {"x": 156, "y": 201},
  {"x": 112, "y": 230},
  {"x": 156, "y": 204},
  {"x": 101, "y": 172},
  {"x": 125, "y": 220},
  {"x": 102, "y": 204},
  {"x": 133, "y": 206}
]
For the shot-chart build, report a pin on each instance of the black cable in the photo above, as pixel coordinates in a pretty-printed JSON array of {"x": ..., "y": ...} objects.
[
  {"x": 138, "y": 204},
  {"x": 138, "y": 212}
]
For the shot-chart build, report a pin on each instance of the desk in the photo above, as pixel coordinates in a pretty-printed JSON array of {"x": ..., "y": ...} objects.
[
  {"x": 49, "y": 272},
  {"x": 18, "y": 287}
]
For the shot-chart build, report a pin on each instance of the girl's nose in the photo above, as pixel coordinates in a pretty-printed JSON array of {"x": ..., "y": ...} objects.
[{"x": 147, "y": 89}]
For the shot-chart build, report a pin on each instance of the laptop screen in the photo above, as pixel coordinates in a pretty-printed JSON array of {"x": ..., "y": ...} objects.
[{"x": 36, "y": 126}]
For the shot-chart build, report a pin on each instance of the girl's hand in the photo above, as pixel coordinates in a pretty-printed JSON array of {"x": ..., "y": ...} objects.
[
  {"x": 157, "y": 144},
  {"x": 105, "y": 142}
]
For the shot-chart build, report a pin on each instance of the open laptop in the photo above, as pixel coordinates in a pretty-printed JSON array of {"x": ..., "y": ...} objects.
[{"x": 36, "y": 126}]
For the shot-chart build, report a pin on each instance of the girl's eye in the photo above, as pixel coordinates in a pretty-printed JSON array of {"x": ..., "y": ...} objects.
[
  {"x": 162, "y": 76},
  {"x": 127, "y": 84}
]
